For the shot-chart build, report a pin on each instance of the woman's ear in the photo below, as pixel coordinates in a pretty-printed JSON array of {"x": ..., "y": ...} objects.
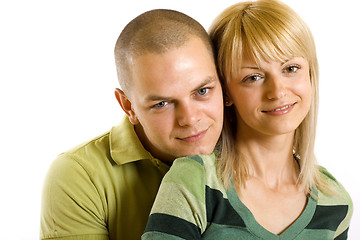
[
  {"x": 227, "y": 100},
  {"x": 126, "y": 105}
]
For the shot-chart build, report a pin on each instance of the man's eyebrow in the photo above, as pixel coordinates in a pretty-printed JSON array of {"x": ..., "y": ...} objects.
[
  {"x": 206, "y": 81},
  {"x": 154, "y": 98}
]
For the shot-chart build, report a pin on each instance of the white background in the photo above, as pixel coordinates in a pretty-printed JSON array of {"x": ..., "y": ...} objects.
[{"x": 57, "y": 78}]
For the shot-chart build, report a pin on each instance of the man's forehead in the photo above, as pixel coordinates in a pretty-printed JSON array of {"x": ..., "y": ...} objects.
[{"x": 153, "y": 95}]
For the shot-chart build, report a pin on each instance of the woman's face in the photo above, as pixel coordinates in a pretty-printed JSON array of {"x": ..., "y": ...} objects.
[{"x": 271, "y": 98}]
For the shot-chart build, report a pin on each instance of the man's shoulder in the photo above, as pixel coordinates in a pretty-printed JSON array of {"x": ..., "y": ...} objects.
[
  {"x": 90, "y": 153},
  {"x": 100, "y": 149},
  {"x": 90, "y": 148}
]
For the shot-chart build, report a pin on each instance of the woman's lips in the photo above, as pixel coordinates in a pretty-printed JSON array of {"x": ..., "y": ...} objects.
[{"x": 281, "y": 110}]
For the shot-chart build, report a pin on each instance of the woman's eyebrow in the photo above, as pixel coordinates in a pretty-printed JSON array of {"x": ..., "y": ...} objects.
[{"x": 252, "y": 67}]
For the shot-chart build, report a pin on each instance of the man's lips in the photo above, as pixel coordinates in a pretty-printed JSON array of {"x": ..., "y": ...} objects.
[
  {"x": 195, "y": 137},
  {"x": 280, "y": 110}
]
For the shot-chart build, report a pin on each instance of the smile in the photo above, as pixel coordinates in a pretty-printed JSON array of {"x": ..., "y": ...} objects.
[
  {"x": 280, "y": 110},
  {"x": 195, "y": 137}
]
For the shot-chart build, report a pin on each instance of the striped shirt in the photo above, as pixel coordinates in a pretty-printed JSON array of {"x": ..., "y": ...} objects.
[{"x": 193, "y": 204}]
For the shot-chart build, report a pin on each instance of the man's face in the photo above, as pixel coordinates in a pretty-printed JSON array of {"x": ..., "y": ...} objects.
[{"x": 176, "y": 101}]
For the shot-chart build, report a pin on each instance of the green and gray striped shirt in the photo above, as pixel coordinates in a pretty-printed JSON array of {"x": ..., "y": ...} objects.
[{"x": 193, "y": 204}]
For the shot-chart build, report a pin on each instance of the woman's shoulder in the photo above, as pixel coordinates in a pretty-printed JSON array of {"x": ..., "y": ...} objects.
[
  {"x": 336, "y": 204},
  {"x": 326, "y": 175},
  {"x": 337, "y": 194}
]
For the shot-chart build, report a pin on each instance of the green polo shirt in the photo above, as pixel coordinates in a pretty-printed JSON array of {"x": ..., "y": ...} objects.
[{"x": 102, "y": 189}]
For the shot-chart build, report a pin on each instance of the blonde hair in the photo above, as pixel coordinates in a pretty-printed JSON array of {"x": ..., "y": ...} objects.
[
  {"x": 268, "y": 30},
  {"x": 155, "y": 31}
]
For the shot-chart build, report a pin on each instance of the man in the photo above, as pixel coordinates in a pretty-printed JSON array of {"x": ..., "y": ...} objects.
[{"x": 104, "y": 189}]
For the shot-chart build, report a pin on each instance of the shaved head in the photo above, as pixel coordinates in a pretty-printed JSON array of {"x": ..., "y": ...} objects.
[{"x": 155, "y": 31}]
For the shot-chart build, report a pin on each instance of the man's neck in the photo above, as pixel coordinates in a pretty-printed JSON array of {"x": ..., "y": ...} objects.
[{"x": 139, "y": 130}]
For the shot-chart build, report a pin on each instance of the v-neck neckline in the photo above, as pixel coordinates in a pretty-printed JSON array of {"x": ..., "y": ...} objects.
[{"x": 255, "y": 228}]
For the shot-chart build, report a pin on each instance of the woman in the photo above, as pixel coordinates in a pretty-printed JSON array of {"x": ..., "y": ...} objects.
[{"x": 268, "y": 184}]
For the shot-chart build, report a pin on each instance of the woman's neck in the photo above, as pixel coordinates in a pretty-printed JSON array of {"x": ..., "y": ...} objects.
[{"x": 269, "y": 158}]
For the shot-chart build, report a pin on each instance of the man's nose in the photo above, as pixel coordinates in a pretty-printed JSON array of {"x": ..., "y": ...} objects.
[{"x": 187, "y": 114}]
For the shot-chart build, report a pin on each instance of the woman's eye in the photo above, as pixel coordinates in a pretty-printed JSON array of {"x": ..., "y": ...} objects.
[
  {"x": 203, "y": 91},
  {"x": 252, "y": 78},
  {"x": 292, "y": 68}
]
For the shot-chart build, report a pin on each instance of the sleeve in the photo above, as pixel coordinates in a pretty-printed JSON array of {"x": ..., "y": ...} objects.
[
  {"x": 342, "y": 231},
  {"x": 341, "y": 198},
  {"x": 71, "y": 206},
  {"x": 179, "y": 210}
]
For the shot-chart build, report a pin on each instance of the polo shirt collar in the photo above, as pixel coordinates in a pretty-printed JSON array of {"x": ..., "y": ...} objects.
[{"x": 125, "y": 145}]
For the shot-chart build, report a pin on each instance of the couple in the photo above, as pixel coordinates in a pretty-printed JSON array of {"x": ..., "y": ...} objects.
[{"x": 262, "y": 181}]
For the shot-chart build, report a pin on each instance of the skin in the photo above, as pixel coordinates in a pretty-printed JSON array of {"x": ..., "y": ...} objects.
[
  {"x": 265, "y": 136},
  {"x": 175, "y": 101}
]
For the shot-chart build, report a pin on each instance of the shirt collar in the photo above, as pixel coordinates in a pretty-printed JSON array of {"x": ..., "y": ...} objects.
[{"x": 125, "y": 145}]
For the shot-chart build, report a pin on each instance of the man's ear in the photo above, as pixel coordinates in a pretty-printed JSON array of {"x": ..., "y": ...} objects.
[{"x": 126, "y": 105}]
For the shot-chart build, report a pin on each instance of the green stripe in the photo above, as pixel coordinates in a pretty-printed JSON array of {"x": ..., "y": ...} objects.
[
  {"x": 328, "y": 217},
  {"x": 163, "y": 223},
  {"x": 181, "y": 195},
  {"x": 174, "y": 199},
  {"x": 220, "y": 211},
  {"x": 197, "y": 158},
  {"x": 342, "y": 236},
  {"x": 194, "y": 185}
]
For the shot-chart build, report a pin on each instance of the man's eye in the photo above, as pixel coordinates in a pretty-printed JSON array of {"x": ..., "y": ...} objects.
[
  {"x": 160, "y": 104},
  {"x": 203, "y": 91}
]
